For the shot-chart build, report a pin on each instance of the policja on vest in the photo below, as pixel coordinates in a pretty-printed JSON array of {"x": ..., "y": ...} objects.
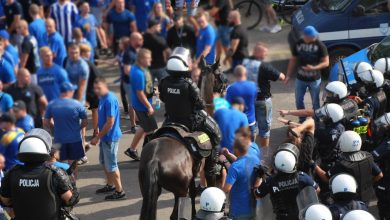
[{"x": 37, "y": 190}]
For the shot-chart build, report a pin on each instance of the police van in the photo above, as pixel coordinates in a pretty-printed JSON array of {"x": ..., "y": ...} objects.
[
  {"x": 343, "y": 70},
  {"x": 345, "y": 26}
]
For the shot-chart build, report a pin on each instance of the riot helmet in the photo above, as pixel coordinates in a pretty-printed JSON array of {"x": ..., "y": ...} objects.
[
  {"x": 35, "y": 146},
  {"x": 335, "y": 92},
  {"x": 316, "y": 212},
  {"x": 212, "y": 199},
  {"x": 358, "y": 215},
  {"x": 343, "y": 186},
  {"x": 361, "y": 67},
  {"x": 350, "y": 141},
  {"x": 372, "y": 77},
  {"x": 330, "y": 112},
  {"x": 383, "y": 64},
  {"x": 179, "y": 62},
  {"x": 286, "y": 158}
]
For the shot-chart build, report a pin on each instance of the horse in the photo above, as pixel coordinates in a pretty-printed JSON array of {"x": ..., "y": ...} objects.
[{"x": 167, "y": 163}]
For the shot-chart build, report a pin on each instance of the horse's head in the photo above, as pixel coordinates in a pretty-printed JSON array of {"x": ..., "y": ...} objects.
[{"x": 213, "y": 74}]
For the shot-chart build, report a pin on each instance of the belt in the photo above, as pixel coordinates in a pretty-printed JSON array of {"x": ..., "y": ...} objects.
[{"x": 263, "y": 98}]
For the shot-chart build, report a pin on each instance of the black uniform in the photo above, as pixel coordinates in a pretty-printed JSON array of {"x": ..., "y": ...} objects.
[
  {"x": 35, "y": 191},
  {"x": 340, "y": 208},
  {"x": 283, "y": 189},
  {"x": 361, "y": 166},
  {"x": 376, "y": 103}
]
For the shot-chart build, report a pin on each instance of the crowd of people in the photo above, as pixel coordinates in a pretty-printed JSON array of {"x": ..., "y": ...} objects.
[{"x": 49, "y": 53}]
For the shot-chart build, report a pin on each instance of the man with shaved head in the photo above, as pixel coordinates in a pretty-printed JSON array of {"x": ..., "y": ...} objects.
[
  {"x": 55, "y": 42},
  {"x": 29, "y": 56},
  {"x": 239, "y": 39}
]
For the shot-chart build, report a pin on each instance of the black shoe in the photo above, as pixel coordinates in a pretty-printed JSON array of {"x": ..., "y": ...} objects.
[
  {"x": 105, "y": 189},
  {"x": 133, "y": 154},
  {"x": 116, "y": 196},
  {"x": 133, "y": 130}
]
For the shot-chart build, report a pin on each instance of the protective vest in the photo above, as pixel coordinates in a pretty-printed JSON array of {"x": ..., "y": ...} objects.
[
  {"x": 33, "y": 195},
  {"x": 327, "y": 137},
  {"x": 350, "y": 108},
  {"x": 341, "y": 208},
  {"x": 284, "y": 190},
  {"x": 359, "y": 165},
  {"x": 378, "y": 103},
  {"x": 386, "y": 90}
]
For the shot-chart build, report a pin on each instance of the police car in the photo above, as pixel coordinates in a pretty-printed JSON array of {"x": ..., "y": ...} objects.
[
  {"x": 345, "y": 26},
  {"x": 343, "y": 70}
]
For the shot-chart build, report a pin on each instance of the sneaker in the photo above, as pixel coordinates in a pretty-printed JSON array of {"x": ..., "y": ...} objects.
[
  {"x": 116, "y": 196},
  {"x": 133, "y": 130},
  {"x": 105, "y": 189},
  {"x": 83, "y": 161},
  {"x": 265, "y": 29},
  {"x": 275, "y": 29},
  {"x": 133, "y": 154}
]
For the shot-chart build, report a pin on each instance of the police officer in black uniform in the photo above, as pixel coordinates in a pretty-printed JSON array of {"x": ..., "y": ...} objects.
[
  {"x": 286, "y": 184},
  {"x": 37, "y": 190},
  {"x": 183, "y": 104},
  {"x": 343, "y": 187}
]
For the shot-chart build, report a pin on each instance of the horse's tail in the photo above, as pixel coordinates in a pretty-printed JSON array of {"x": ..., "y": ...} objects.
[{"x": 151, "y": 190}]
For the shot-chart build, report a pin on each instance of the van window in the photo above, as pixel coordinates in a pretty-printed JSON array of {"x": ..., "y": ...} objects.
[
  {"x": 381, "y": 50},
  {"x": 334, "y": 5},
  {"x": 374, "y": 6}
]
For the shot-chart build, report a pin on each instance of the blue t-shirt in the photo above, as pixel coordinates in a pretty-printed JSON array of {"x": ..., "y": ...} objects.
[
  {"x": 77, "y": 70},
  {"x": 9, "y": 147},
  {"x": 248, "y": 91},
  {"x": 109, "y": 107},
  {"x": 10, "y": 49},
  {"x": 66, "y": 114},
  {"x": 138, "y": 83},
  {"x": 57, "y": 45},
  {"x": 206, "y": 37},
  {"x": 89, "y": 34},
  {"x": 142, "y": 10},
  {"x": 6, "y": 102},
  {"x": 7, "y": 73},
  {"x": 37, "y": 28},
  {"x": 220, "y": 103},
  {"x": 50, "y": 79},
  {"x": 26, "y": 123},
  {"x": 229, "y": 120},
  {"x": 61, "y": 165},
  {"x": 254, "y": 152},
  {"x": 120, "y": 22},
  {"x": 241, "y": 177}
]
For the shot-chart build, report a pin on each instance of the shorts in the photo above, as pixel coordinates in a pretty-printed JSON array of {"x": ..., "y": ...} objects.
[
  {"x": 108, "y": 155},
  {"x": 254, "y": 131},
  {"x": 127, "y": 88},
  {"x": 190, "y": 11},
  {"x": 264, "y": 117},
  {"x": 34, "y": 79},
  {"x": 224, "y": 35},
  {"x": 98, "y": 13},
  {"x": 72, "y": 151},
  {"x": 146, "y": 122}
]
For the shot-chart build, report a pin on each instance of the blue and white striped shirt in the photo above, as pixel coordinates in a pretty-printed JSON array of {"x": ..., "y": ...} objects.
[{"x": 65, "y": 17}]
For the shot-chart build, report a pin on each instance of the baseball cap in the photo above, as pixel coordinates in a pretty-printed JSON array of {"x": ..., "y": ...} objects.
[
  {"x": 4, "y": 34},
  {"x": 67, "y": 86},
  {"x": 238, "y": 101},
  {"x": 310, "y": 31},
  {"x": 7, "y": 117},
  {"x": 152, "y": 22},
  {"x": 19, "y": 105}
]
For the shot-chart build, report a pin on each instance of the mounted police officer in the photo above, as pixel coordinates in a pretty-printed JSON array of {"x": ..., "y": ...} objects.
[
  {"x": 284, "y": 186},
  {"x": 359, "y": 164},
  {"x": 37, "y": 190},
  {"x": 212, "y": 204},
  {"x": 183, "y": 104},
  {"x": 343, "y": 187}
]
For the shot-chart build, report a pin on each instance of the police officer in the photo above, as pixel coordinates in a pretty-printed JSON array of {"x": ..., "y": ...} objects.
[
  {"x": 383, "y": 65},
  {"x": 376, "y": 100},
  {"x": 183, "y": 104},
  {"x": 212, "y": 204},
  {"x": 316, "y": 212},
  {"x": 343, "y": 187},
  {"x": 359, "y": 164},
  {"x": 285, "y": 185},
  {"x": 358, "y": 89},
  {"x": 358, "y": 215},
  {"x": 37, "y": 190}
]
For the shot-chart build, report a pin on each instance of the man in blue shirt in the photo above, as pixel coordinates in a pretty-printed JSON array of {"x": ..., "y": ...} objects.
[
  {"x": 7, "y": 74},
  {"x": 142, "y": 9},
  {"x": 37, "y": 26},
  {"x": 109, "y": 135},
  {"x": 50, "y": 75},
  {"x": 142, "y": 93},
  {"x": 78, "y": 71},
  {"x": 241, "y": 177},
  {"x": 55, "y": 42},
  {"x": 229, "y": 120},
  {"x": 122, "y": 20},
  {"x": 88, "y": 24},
  {"x": 206, "y": 40},
  {"x": 6, "y": 101},
  {"x": 69, "y": 117},
  {"x": 246, "y": 90},
  {"x": 23, "y": 120},
  {"x": 9, "y": 49},
  {"x": 9, "y": 142}
]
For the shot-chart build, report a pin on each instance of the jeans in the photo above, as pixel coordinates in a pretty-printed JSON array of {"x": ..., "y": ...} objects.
[
  {"x": 263, "y": 111},
  {"x": 300, "y": 90}
]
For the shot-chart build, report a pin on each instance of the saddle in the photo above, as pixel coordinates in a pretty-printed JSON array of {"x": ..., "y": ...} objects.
[{"x": 198, "y": 143}]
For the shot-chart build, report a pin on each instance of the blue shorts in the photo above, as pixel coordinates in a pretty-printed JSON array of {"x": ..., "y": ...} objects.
[
  {"x": 108, "y": 155},
  {"x": 72, "y": 151},
  {"x": 264, "y": 117},
  {"x": 190, "y": 11},
  {"x": 224, "y": 35}
]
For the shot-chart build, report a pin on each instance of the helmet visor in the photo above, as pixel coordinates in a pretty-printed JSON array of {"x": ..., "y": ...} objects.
[{"x": 182, "y": 54}]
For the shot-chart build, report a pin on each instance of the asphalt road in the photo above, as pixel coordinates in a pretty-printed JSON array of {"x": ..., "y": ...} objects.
[{"x": 93, "y": 207}]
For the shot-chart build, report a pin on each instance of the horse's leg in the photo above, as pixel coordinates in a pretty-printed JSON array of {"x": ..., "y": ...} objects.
[
  {"x": 209, "y": 169},
  {"x": 150, "y": 190},
  {"x": 193, "y": 193}
]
